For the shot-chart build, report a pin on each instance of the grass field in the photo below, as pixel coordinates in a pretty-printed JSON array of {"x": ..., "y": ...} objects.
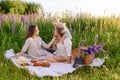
[{"x": 13, "y": 29}]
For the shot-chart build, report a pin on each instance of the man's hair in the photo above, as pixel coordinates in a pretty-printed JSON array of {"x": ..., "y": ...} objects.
[{"x": 60, "y": 28}]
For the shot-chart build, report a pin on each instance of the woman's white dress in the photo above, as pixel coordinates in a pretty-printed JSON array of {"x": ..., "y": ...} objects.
[
  {"x": 35, "y": 50},
  {"x": 64, "y": 49}
]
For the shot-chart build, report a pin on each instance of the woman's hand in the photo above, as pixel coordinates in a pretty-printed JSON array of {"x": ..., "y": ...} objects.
[
  {"x": 19, "y": 54},
  {"x": 50, "y": 43}
]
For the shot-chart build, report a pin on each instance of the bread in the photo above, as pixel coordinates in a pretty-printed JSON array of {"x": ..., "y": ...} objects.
[
  {"x": 43, "y": 64},
  {"x": 46, "y": 64},
  {"x": 39, "y": 63},
  {"x": 34, "y": 60}
]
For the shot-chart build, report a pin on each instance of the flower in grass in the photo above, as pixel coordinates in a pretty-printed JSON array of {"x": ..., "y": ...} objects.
[
  {"x": 71, "y": 19},
  {"x": 13, "y": 18},
  {"x": 13, "y": 26},
  {"x": 0, "y": 23},
  {"x": 2, "y": 19},
  {"x": 23, "y": 19},
  {"x": 9, "y": 17},
  {"x": 96, "y": 39},
  {"x": 34, "y": 16}
]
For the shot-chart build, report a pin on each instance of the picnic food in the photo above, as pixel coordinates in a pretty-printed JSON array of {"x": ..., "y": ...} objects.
[
  {"x": 34, "y": 60},
  {"x": 38, "y": 63},
  {"x": 42, "y": 63},
  {"x": 22, "y": 61}
]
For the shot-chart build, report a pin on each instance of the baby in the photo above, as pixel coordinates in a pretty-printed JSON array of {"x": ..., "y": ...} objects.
[{"x": 57, "y": 23}]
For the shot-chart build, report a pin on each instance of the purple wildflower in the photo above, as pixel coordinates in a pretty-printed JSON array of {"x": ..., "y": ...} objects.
[
  {"x": 95, "y": 48},
  {"x": 13, "y": 26},
  {"x": 12, "y": 16},
  {"x": 102, "y": 50},
  {"x": 9, "y": 17},
  {"x": 96, "y": 39},
  {"x": 2, "y": 19},
  {"x": 0, "y": 22},
  {"x": 23, "y": 19}
]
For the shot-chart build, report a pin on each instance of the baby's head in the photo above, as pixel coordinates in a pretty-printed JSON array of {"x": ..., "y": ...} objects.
[{"x": 55, "y": 22}]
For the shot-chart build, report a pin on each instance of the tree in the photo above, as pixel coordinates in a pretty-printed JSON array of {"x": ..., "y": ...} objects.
[
  {"x": 32, "y": 8},
  {"x": 18, "y": 6},
  {"x": 15, "y": 6}
]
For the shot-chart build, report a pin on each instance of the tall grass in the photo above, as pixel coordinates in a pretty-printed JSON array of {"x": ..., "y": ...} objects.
[{"x": 14, "y": 27}]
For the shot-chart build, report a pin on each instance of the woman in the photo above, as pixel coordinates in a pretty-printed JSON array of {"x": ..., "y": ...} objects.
[
  {"x": 33, "y": 44},
  {"x": 63, "y": 47}
]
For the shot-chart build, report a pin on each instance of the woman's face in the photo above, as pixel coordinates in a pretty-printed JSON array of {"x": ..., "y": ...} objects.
[{"x": 36, "y": 31}]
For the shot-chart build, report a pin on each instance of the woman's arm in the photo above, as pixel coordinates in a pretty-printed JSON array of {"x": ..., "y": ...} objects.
[
  {"x": 49, "y": 44},
  {"x": 24, "y": 49},
  {"x": 20, "y": 53},
  {"x": 68, "y": 48}
]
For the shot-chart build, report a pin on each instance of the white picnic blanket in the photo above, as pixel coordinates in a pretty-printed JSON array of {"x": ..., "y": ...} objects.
[{"x": 55, "y": 69}]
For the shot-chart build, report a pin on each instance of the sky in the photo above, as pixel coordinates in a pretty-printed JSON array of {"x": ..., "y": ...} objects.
[{"x": 94, "y": 7}]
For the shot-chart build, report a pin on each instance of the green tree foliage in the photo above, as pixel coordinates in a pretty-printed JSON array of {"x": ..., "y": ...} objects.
[
  {"x": 18, "y": 6},
  {"x": 33, "y": 8}
]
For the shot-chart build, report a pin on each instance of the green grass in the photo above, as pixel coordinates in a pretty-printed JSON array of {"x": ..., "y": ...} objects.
[{"x": 108, "y": 29}]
